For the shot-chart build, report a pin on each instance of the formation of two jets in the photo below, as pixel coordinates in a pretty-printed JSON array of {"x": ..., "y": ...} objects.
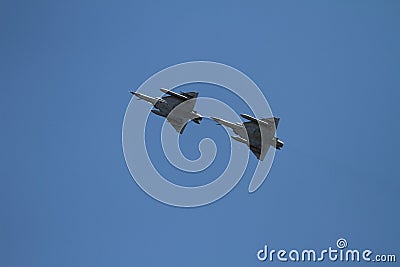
[{"x": 257, "y": 134}]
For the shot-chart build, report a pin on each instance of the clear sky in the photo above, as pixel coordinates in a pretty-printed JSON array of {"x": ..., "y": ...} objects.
[{"x": 329, "y": 69}]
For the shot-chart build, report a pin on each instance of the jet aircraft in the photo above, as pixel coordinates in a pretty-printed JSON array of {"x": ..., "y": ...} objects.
[
  {"x": 257, "y": 134},
  {"x": 177, "y": 108}
]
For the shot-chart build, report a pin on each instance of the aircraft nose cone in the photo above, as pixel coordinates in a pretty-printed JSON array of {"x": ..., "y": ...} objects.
[{"x": 136, "y": 94}]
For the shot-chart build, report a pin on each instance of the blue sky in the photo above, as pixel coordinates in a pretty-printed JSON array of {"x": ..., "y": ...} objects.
[{"x": 329, "y": 69}]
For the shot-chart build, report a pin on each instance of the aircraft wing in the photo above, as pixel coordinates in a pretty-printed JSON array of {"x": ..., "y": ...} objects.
[
  {"x": 175, "y": 101},
  {"x": 255, "y": 140},
  {"x": 271, "y": 121},
  {"x": 189, "y": 104},
  {"x": 267, "y": 132},
  {"x": 179, "y": 126},
  {"x": 172, "y": 100},
  {"x": 257, "y": 151},
  {"x": 190, "y": 94}
]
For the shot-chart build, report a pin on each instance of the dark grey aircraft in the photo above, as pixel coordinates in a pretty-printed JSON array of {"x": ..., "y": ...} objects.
[
  {"x": 177, "y": 108},
  {"x": 257, "y": 134}
]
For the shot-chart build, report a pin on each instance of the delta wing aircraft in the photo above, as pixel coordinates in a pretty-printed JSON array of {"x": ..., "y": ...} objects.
[
  {"x": 257, "y": 134},
  {"x": 177, "y": 108}
]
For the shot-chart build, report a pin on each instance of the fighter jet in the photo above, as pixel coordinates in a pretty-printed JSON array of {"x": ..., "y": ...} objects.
[
  {"x": 177, "y": 108},
  {"x": 260, "y": 133}
]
